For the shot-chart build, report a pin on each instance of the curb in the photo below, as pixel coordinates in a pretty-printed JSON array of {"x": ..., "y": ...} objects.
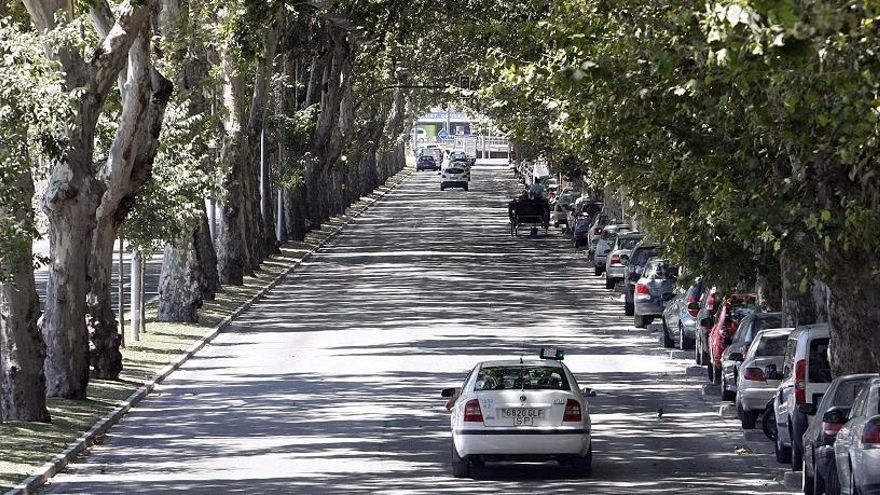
[{"x": 60, "y": 461}]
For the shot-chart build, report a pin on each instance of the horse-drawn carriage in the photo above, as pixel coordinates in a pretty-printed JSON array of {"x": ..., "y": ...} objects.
[{"x": 534, "y": 213}]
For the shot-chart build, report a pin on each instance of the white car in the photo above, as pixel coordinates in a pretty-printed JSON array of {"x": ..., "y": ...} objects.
[
  {"x": 520, "y": 410},
  {"x": 454, "y": 176}
]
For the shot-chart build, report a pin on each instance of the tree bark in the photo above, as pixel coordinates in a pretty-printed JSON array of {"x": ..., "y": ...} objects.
[
  {"x": 854, "y": 314},
  {"x": 22, "y": 382},
  {"x": 73, "y": 192},
  {"x": 798, "y": 306},
  {"x": 180, "y": 287}
]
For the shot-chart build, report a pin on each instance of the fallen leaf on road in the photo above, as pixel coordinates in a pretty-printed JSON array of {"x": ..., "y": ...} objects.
[{"x": 743, "y": 451}]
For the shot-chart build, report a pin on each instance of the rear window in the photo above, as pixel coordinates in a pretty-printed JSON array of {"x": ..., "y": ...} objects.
[
  {"x": 771, "y": 346},
  {"x": 627, "y": 242},
  {"x": 820, "y": 368},
  {"x": 660, "y": 269},
  {"x": 643, "y": 255},
  {"x": 521, "y": 377},
  {"x": 847, "y": 392},
  {"x": 454, "y": 170}
]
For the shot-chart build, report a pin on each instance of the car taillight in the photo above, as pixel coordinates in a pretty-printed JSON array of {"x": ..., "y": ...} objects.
[
  {"x": 693, "y": 312},
  {"x": 800, "y": 382},
  {"x": 472, "y": 412},
  {"x": 642, "y": 289},
  {"x": 829, "y": 432},
  {"x": 615, "y": 258},
  {"x": 871, "y": 435},
  {"x": 754, "y": 374},
  {"x": 572, "y": 411}
]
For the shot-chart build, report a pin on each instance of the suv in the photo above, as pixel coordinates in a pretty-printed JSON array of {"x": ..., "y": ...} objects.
[
  {"x": 638, "y": 258},
  {"x": 454, "y": 176},
  {"x": 806, "y": 375}
]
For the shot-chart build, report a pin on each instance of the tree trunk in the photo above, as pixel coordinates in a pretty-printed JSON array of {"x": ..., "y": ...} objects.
[
  {"x": 180, "y": 287},
  {"x": 22, "y": 382},
  {"x": 207, "y": 257},
  {"x": 854, "y": 314},
  {"x": 798, "y": 306}
]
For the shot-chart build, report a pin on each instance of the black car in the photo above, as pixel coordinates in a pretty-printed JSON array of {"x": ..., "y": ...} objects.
[{"x": 427, "y": 162}]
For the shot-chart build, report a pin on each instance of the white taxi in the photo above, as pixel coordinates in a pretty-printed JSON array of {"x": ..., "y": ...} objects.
[{"x": 528, "y": 410}]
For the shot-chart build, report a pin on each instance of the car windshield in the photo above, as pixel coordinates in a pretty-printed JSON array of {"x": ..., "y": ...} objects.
[
  {"x": 771, "y": 346},
  {"x": 820, "y": 368},
  {"x": 627, "y": 242},
  {"x": 521, "y": 377}
]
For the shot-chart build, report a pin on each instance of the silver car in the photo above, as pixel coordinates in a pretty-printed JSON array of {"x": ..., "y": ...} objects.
[
  {"x": 680, "y": 320},
  {"x": 606, "y": 240},
  {"x": 615, "y": 265},
  {"x": 755, "y": 387},
  {"x": 820, "y": 470},
  {"x": 742, "y": 339},
  {"x": 657, "y": 282},
  {"x": 857, "y": 448}
]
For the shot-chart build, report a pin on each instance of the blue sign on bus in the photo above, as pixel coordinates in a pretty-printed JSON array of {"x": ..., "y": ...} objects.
[{"x": 443, "y": 134}]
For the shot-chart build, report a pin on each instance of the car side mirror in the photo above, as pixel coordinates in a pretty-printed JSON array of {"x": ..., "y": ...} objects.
[
  {"x": 588, "y": 392},
  {"x": 694, "y": 306},
  {"x": 449, "y": 392},
  {"x": 808, "y": 409},
  {"x": 737, "y": 356},
  {"x": 835, "y": 415}
]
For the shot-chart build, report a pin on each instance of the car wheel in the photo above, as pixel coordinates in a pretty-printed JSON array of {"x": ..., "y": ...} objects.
[
  {"x": 832, "y": 484},
  {"x": 465, "y": 188},
  {"x": 698, "y": 353},
  {"x": 717, "y": 375},
  {"x": 768, "y": 422},
  {"x": 725, "y": 394},
  {"x": 629, "y": 309},
  {"x": 748, "y": 418},
  {"x": 609, "y": 282},
  {"x": 442, "y": 188},
  {"x": 808, "y": 483},
  {"x": 783, "y": 453},
  {"x": 684, "y": 342},
  {"x": 668, "y": 343},
  {"x": 596, "y": 270},
  {"x": 710, "y": 372},
  {"x": 797, "y": 453},
  {"x": 639, "y": 321},
  {"x": 461, "y": 467},
  {"x": 584, "y": 464}
]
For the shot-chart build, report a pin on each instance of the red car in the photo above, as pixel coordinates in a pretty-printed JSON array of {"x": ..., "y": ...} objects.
[{"x": 734, "y": 308}]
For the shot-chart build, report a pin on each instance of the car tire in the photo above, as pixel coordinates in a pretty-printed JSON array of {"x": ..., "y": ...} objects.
[
  {"x": 684, "y": 343},
  {"x": 629, "y": 309},
  {"x": 639, "y": 321},
  {"x": 584, "y": 464},
  {"x": 808, "y": 483},
  {"x": 726, "y": 395},
  {"x": 768, "y": 423},
  {"x": 718, "y": 373},
  {"x": 783, "y": 453},
  {"x": 465, "y": 188},
  {"x": 442, "y": 188},
  {"x": 596, "y": 270},
  {"x": 609, "y": 282},
  {"x": 668, "y": 343},
  {"x": 832, "y": 484},
  {"x": 797, "y": 454},
  {"x": 698, "y": 353},
  {"x": 748, "y": 419},
  {"x": 461, "y": 467},
  {"x": 710, "y": 372}
]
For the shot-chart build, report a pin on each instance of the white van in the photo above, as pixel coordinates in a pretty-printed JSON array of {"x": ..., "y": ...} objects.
[{"x": 806, "y": 375}]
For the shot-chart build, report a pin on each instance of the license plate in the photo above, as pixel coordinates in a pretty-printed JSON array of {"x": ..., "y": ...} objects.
[{"x": 522, "y": 416}]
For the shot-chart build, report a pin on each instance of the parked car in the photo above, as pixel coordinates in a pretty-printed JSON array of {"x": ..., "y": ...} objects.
[
  {"x": 734, "y": 308},
  {"x": 654, "y": 287},
  {"x": 680, "y": 320},
  {"x": 806, "y": 375},
  {"x": 585, "y": 206},
  {"x": 615, "y": 265},
  {"x": 857, "y": 448},
  {"x": 755, "y": 389},
  {"x": 638, "y": 258},
  {"x": 742, "y": 339},
  {"x": 598, "y": 222},
  {"x": 426, "y": 162},
  {"x": 603, "y": 248},
  {"x": 559, "y": 209},
  {"x": 820, "y": 468}
]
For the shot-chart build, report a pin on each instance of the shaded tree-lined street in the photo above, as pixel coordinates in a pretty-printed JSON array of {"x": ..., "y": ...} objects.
[{"x": 331, "y": 383}]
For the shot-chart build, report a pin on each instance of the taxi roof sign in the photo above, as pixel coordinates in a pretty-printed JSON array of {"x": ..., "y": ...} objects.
[{"x": 552, "y": 353}]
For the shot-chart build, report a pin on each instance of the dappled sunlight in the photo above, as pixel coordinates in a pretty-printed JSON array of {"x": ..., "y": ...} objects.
[{"x": 331, "y": 383}]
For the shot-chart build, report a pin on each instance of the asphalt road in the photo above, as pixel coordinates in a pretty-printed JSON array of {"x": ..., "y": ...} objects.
[{"x": 331, "y": 384}]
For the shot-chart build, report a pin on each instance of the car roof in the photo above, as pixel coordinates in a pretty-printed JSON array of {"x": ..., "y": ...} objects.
[
  {"x": 550, "y": 363},
  {"x": 816, "y": 327},
  {"x": 775, "y": 332}
]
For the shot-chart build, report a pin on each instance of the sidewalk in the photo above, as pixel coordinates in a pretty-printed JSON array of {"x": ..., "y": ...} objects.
[{"x": 31, "y": 449}]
